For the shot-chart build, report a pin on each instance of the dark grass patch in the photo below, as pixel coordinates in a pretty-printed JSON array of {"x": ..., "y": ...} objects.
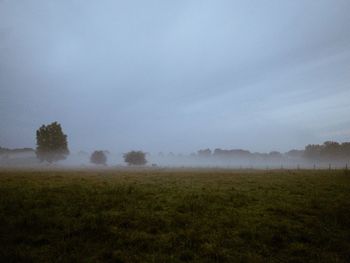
[{"x": 175, "y": 216}]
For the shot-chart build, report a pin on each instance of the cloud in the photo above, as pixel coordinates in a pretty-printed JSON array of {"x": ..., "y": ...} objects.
[{"x": 176, "y": 75}]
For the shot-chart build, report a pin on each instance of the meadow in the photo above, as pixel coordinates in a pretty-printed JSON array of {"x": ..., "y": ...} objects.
[{"x": 174, "y": 216}]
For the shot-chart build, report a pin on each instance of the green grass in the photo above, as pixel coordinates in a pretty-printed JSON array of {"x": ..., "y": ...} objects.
[{"x": 175, "y": 216}]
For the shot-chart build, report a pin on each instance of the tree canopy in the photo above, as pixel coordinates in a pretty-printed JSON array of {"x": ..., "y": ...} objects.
[
  {"x": 98, "y": 157},
  {"x": 328, "y": 151},
  {"x": 135, "y": 158},
  {"x": 51, "y": 143}
]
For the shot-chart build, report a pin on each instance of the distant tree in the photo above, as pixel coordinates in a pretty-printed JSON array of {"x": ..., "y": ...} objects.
[
  {"x": 275, "y": 154},
  {"x": 15, "y": 151},
  {"x": 135, "y": 158},
  {"x": 295, "y": 153},
  {"x": 345, "y": 146},
  {"x": 98, "y": 157},
  {"x": 330, "y": 150},
  {"x": 51, "y": 143},
  {"x": 313, "y": 151},
  {"x": 204, "y": 153},
  {"x": 219, "y": 152},
  {"x": 233, "y": 153}
]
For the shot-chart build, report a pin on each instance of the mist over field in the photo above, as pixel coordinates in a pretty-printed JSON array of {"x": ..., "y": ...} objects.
[
  {"x": 175, "y": 76},
  {"x": 330, "y": 155},
  {"x": 175, "y": 131}
]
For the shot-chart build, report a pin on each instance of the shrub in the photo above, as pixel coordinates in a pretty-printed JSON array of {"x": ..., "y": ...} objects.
[
  {"x": 135, "y": 158},
  {"x": 98, "y": 157}
]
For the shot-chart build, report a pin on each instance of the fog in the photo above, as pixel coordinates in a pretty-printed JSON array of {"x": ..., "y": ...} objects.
[
  {"x": 176, "y": 76},
  {"x": 218, "y": 159}
]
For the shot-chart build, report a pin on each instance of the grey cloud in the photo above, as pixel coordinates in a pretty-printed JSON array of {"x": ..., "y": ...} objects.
[{"x": 175, "y": 76}]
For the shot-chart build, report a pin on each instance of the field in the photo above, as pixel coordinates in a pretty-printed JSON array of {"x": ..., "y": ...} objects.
[{"x": 174, "y": 216}]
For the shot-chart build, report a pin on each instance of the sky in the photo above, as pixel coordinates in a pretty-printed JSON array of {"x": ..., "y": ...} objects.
[{"x": 176, "y": 76}]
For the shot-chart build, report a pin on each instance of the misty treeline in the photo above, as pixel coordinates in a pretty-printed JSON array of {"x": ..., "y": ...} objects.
[
  {"x": 328, "y": 151},
  {"x": 52, "y": 146},
  {"x": 7, "y": 151},
  {"x": 328, "y": 154}
]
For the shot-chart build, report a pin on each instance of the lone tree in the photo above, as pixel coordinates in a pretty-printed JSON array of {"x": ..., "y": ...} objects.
[
  {"x": 51, "y": 143},
  {"x": 135, "y": 158},
  {"x": 98, "y": 157}
]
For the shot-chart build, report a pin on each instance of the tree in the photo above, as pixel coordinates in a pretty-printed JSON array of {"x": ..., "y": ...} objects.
[
  {"x": 51, "y": 143},
  {"x": 313, "y": 151},
  {"x": 331, "y": 150},
  {"x": 135, "y": 158},
  {"x": 204, "y": 153},
  {"x": 98, "y": 157},
  {"x": 328, "y": 151}
]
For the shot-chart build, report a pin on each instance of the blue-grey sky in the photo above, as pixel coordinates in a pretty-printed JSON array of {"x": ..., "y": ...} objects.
[{"x": 176, "y": 75}]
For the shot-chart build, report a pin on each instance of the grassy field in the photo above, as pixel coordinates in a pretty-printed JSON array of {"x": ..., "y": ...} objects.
[{"x": 174, "y": 216}]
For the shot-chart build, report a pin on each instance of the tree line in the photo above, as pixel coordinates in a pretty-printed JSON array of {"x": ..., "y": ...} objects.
[
  {"x": 52, "y": 146},
  {"x": 328, "y": 151},
  {"x": 15, "y": 151}
]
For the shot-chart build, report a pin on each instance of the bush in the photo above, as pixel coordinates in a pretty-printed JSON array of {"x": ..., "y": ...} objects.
[
  {"x": 98, "y": 157},
  {"x": 135, "y": 158}
]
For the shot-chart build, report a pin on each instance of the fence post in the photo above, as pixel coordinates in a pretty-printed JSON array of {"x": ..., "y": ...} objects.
[{"x": 298, "y": 167}]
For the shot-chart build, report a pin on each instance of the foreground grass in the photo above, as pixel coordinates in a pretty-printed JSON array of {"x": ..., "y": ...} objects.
[{"x": 175, "y": 216}]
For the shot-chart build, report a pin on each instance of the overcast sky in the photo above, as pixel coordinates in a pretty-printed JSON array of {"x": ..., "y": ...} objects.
[{"x": 176, "y": 75}]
